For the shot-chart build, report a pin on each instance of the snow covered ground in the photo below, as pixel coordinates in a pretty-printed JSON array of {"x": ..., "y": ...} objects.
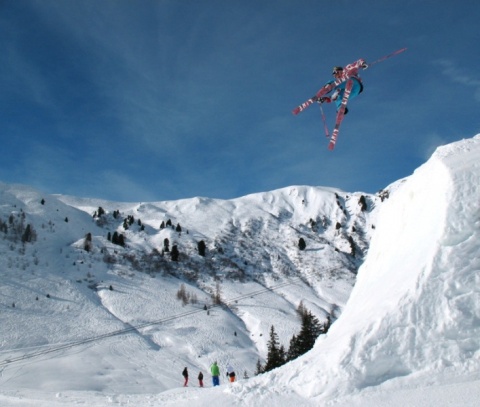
[{"x": 408, "y": 335}]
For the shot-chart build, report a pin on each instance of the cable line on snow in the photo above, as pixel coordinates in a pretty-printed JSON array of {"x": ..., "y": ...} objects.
[{"x": 97, "y": 338}]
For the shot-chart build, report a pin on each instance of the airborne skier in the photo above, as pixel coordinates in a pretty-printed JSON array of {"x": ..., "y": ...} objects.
[
  {"x": 347, "y": 84},
  {"x": 340, "y": 73}
]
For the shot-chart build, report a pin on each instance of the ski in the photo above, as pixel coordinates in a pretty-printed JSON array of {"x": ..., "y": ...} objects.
[
  {"x": 387, "y": 56},
  {"x": 326, "y": 89},
  {"x": 340, "y": 114},
  {"x": 303, "y": 106}
]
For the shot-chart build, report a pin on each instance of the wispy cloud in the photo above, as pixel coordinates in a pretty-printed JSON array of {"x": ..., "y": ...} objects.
[{"x": 459, "y": 75}]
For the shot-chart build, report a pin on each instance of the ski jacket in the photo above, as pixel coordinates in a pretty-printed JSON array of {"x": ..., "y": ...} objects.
[
  {"x": 185, "y": 373},
  {"x": 215, "y": 370}
]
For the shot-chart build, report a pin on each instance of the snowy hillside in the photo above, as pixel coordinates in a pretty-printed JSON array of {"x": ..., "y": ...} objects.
[
  {"x": 83, "y": 312},
  {"x": 409, "y": 333}
]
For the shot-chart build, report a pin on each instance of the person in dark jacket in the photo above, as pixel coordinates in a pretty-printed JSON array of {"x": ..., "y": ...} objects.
[
  {"x": 185, "y": 375},
  {"x": 200, "y": 379},
  {"x": 231, "y": 373}
]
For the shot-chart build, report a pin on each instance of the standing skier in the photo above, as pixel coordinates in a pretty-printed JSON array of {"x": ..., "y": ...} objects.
[
  {"x": 215, "y": 374},
  {"x": 185, "y": 376},
  {"x": 200, "y": 379},
  {"x": 230, "y": 373},
  {"x": 341, "y": 76}
]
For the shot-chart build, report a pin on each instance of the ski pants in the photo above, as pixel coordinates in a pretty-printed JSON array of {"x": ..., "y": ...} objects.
[{"x": 356, "y": 89}]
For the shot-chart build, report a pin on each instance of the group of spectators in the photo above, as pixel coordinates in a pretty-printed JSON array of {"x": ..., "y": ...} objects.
[{"x": 215, "y": 371}]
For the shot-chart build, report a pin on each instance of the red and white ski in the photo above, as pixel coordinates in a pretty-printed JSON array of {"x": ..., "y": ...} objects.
[
  {"x": 326, "y": 89},
  {"x": 340, "y": 114}
]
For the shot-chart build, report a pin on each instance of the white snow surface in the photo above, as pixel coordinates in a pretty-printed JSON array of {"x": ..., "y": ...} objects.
[{"x": 409, "y": 334}]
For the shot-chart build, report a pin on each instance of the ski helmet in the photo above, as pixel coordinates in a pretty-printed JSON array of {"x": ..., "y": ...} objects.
[{"x": 336, "y": 69}]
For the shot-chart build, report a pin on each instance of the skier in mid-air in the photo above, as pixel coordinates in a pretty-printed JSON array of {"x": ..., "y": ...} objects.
[
  {"x": 346, "y": 85},
  {"x": 343, "y": 74}
]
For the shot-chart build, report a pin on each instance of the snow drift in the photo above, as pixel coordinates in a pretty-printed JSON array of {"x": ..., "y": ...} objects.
[{"x": 415, "y": 309}]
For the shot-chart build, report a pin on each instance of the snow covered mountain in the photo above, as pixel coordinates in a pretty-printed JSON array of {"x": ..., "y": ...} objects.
[
  {"x": 90, "y": 293},
  {"x": 409, "y": 333}
]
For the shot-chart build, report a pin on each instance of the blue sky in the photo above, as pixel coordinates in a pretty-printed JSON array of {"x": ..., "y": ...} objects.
[{"x": 168, "y": 99}]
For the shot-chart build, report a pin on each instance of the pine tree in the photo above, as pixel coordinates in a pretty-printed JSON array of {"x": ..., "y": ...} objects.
[
  {"x": 121, "y": 240},
  {"x": 301, "y": 244},
  {"x": 293, "y": 350},
  {"x": 29, "y": 234},
  {"x": 201, "y": 248},
  {"x": 309, "y": 332},
  {"x": 258, "y": 368},
  {"x": 276, "y": 354},
  {"x": 87, "y": 243},
  {"x": 175, "y": 253}
]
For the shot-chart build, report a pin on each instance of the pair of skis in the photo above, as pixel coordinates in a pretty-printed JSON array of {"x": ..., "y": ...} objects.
[{"x": 341, "y": 111}]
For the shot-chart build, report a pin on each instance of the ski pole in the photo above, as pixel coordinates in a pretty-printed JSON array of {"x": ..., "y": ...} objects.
[{"x": 324, "y": 122}]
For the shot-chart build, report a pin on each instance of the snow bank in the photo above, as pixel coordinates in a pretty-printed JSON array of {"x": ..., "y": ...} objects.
[{"x": 415, "y": 309}]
